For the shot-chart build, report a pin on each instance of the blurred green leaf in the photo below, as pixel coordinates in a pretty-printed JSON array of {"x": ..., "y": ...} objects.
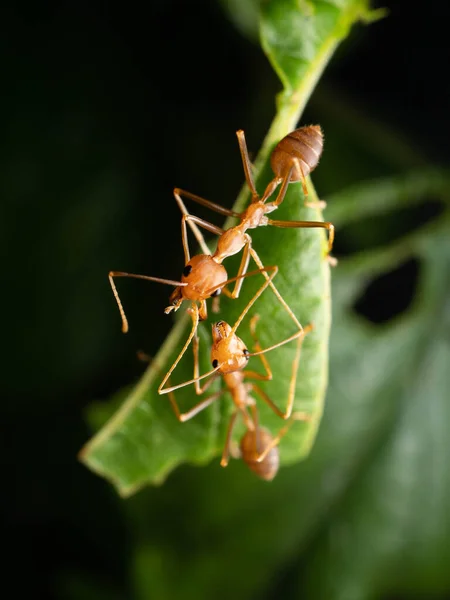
[{"x": 143, "y": 441}]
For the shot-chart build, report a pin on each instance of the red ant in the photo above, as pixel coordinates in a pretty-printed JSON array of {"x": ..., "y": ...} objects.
[
  {"x": 257, "y": 447},
  {"x": 229, "y": 357}
]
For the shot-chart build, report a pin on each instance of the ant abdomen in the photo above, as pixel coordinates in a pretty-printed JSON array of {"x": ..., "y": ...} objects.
[
  {"x": 300, "y": 151},
  {"x": 252, "y": 445}
]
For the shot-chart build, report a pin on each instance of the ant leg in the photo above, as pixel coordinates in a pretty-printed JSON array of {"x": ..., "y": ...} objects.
[
  {"x": 182, "y": 417},
  {"x": 308, "y": 224},
  {"x": 291, "y": 395},
  {"x": 198, "y": 389},
  {"x": 113, "y": 274},
  {"x": 260, "y": 352},
  {"x": 195, "y": 346},
  {"x": 222, "y": 285},
  {"x": 195, "y": 319},
  {"x": 239, "y": 279},
  {"x": 246, "y": 163},
  {"x": 272, "y": 186},
  {"x": 292, "y": 383},
  {"x": 226, "y": 451},
  {"x": 315, "y": 203},
  {"x": 288, "y": 309},
  {"x": 256, "y": 428},
  {"x": 144, "y": 357},
  {"x": 191, "y": 219},
  {"x": 299, "y": 335},
  {"x": 302, "y": 178},
  {"x": 211, "y": 205},
  {"x": 298, "y": 416},
  {"x": 284, "y": 186},
  {"x": 270, "y": 402},
  {"x": 242, "y": 270},
  {"x": 195, "y": 230},
  {"x": 256, "y": 296}
]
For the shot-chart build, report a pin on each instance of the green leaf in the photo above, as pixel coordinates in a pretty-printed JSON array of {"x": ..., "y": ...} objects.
[{"x": 143, "y": 442}]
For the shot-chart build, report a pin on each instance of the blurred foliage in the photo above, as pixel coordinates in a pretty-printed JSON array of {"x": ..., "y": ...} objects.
[{"x": 96, "y": 133}]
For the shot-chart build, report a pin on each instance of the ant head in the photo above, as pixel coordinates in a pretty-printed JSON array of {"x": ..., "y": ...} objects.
[
  {"x": 201, "y": 275},
  {"x": 228, "y": 349}
]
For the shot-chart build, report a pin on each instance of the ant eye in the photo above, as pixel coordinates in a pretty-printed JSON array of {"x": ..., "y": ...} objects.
[
  {"x": 187, "y": 269},
  {"x": 216, "y": 293},
  {"x": 246, "y": 353},
  {"x": 215, "y": 363}
]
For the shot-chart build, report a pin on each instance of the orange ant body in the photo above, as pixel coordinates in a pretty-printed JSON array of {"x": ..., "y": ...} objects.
[{"x": 229, "y": 357}]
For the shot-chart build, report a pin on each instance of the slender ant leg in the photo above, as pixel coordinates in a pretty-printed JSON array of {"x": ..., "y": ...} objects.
[
  {"x": 298, "y": 416},
  {"x": 113, "y": 274},
  {"x": 183, "y": 417},
  {"x": 308, "y": 224},
  {"x": 177, "y": 192},
  {"x": 226, "y": 450},
  {"x": 246, "y": 163},
  {"x": 292, "y": 381},
  {"x": 193, "y": 220}
]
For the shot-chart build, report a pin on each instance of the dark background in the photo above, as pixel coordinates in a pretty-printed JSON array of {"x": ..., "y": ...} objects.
[{"x": 104, "y": 110}]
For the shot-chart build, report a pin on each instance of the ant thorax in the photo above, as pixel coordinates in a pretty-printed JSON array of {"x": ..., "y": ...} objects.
[
  {"x": 255, "y": 215},
  {"x": 202, "y": 274},
  {"x": 230, "y": 242}
]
